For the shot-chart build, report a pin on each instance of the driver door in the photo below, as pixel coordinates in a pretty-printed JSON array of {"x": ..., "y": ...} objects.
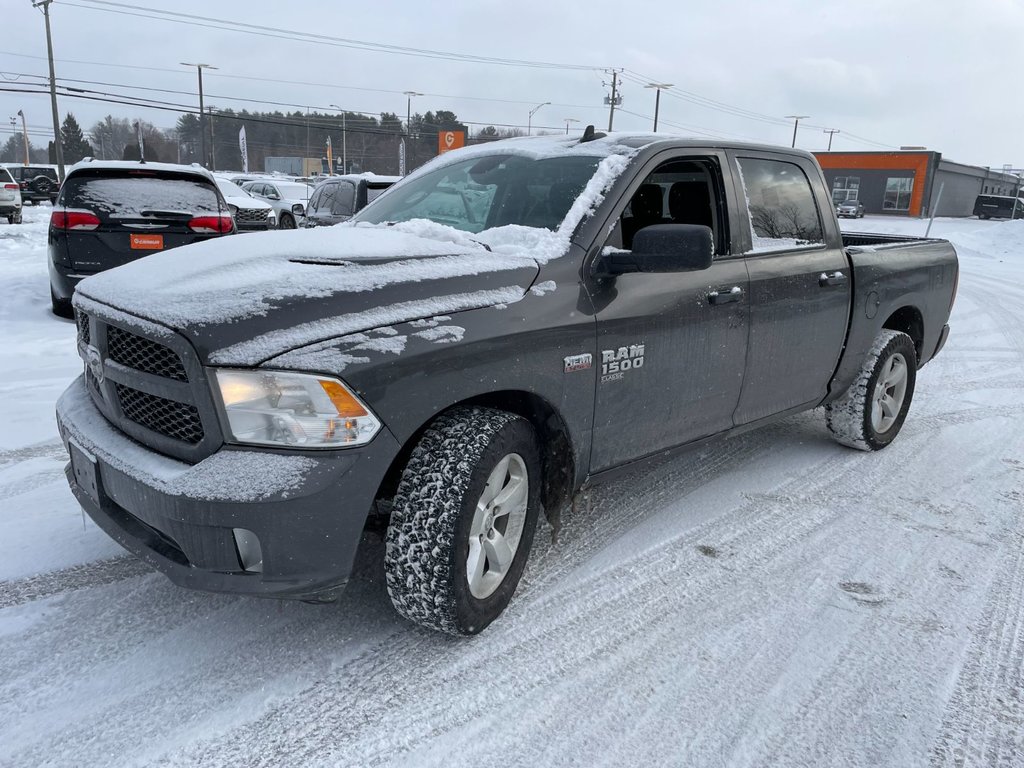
[{"x": 672, "y": 346}]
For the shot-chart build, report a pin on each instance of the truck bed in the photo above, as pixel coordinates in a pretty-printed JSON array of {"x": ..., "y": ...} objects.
[{"x": 869, "y": 240}]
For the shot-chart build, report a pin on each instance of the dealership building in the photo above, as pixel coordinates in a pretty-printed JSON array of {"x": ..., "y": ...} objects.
[{"x": 907, "y": 183}]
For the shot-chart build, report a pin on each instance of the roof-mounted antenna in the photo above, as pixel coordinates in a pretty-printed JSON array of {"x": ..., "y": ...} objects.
[{"x": 589, "y": 134}]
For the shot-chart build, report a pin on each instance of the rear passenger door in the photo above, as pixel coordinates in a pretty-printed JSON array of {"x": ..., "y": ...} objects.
[{"x": 800, "y": 287}]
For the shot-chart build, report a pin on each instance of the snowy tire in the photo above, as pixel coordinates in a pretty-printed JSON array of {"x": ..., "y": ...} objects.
[
  {"x": 287, "y": 221},
  {"x": 463, "y": 520},
  {"x": 871, "y": 412}
]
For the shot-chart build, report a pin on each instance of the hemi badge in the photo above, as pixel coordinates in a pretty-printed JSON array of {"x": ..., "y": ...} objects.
[{"x": 575, "y": 363}]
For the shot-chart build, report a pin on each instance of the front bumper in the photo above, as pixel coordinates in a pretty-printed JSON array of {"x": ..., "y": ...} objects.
[{"x": 307, "y": 510}]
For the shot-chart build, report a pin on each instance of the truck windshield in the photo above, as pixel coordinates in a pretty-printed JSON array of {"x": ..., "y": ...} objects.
[{"x": 490, "y": 191}]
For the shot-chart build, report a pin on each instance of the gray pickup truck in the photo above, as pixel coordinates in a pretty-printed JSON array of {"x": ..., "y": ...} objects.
[{"x": 508, "y": 324}]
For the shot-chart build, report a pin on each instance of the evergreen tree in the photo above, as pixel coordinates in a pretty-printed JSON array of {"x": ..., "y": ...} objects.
[
  {"x": 73, "y": 142},
  {"x": 14, "y": 150}
]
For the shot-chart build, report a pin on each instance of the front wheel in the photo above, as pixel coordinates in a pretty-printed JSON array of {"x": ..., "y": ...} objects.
[
  {"x": 463, "y": 520},
  {"x": 871, "y": 412},
  {"x": 287, "y": 221}
]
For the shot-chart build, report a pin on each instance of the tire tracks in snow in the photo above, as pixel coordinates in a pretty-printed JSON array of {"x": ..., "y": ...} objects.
[{"x": 75, "y": 577}]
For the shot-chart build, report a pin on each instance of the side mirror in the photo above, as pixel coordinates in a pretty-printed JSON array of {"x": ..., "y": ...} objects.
[{"x": 662, "y": 248}]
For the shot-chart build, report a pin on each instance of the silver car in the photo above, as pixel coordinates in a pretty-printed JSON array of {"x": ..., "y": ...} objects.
[
  {"x": 250, "y": 214},
  {"x": 10, "y": 197},
  {"x": 850, "y": 209},
  {"x": 288, "y": 199}
]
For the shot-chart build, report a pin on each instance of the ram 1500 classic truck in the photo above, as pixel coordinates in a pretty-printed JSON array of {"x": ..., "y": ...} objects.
[{"x": 507, "y": 324}]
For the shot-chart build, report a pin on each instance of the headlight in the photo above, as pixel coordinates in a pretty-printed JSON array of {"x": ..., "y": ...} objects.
[
  {"x": 233, "y": 208},
  {"x": 291, "y": 410},
  {"x": 298, "y": 210}
]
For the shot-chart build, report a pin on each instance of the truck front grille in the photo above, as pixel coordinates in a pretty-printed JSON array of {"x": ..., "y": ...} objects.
[
  {"x": 180, "y": 421},
  {"x": 144, "y": 355},
  {"x": 252, "y": 215},
  {"x": 82, "y": 321},
  {"x": 148, "y": 382}
]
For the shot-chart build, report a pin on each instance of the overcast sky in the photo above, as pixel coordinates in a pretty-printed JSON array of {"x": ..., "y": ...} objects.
[{"x": 937, "y": 73}]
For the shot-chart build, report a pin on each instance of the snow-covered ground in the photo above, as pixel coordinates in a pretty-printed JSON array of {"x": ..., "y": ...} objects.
[{"x": 772, "y": 600}]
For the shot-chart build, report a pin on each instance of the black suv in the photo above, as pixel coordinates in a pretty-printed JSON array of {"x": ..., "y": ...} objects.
[
  {"x": 338, "y": 198},
  {"x": 110, "y": 213},
  {"x": 39, "y": 183}
]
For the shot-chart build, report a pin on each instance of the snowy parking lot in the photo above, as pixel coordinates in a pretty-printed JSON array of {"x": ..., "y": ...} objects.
[{"x": 773, "y": 599}]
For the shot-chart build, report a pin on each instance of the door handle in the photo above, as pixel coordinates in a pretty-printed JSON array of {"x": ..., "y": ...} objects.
[
  {"x": 834, "y": 278},
  {"x": 725, "y": 295}
]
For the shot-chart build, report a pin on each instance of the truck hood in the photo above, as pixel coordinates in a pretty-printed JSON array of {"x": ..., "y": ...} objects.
[{"x": 244, "y": 299}]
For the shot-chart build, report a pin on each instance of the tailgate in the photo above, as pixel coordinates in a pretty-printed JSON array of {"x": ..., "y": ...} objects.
[{"x": 112, "y": 246}]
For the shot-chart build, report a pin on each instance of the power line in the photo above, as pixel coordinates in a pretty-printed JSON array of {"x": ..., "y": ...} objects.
[{"x": 209, "y": 22}]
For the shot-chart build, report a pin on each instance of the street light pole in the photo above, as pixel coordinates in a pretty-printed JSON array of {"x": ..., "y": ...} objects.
[
  {"x": 658, "y": 88},
  {"x": 58, "y": 148},
  {"x": 529, "y": 120},
  {"x": 202, "y": 111},
  {"x": 24, "y": 134},
  {"x": 796, "y": 121},
  {"x": 831, "y": 132},
  {"x": 408, "y": 125},
  {"x": 567, "y": 121}
]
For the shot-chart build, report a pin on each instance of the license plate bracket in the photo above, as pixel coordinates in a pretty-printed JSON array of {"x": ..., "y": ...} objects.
[
  {"x": 146, "y": 242},
  {"x": 86, "y": 471}
]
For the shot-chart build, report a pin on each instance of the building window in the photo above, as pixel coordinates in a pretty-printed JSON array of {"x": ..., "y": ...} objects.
[
  {"x": 897, "y": 194},
  {"x": 845, "y": 188}
]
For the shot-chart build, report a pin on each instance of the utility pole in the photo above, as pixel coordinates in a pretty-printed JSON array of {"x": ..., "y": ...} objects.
[
  {"x": 408, "y": 126},
  {"x": 614, "y": 98},
  {"x": 658, "y": 88},
  {"x": 830, "y": 132},
  {"x": 202, "y": 111},
  {"x": 529, "y": 120},
  {"x": 58, "y": 148},
  {"x": 24, "y": 134},
  {"x": 796, "y": 121}
]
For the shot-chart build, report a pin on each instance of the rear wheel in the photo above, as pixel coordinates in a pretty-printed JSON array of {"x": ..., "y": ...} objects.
[
  {"x": 287, "y": 221},
  {"x": 463, "y": 520},
  {"x": 871, "y": 412}
]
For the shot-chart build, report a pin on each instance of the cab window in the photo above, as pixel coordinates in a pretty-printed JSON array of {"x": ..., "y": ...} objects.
[
  {"x": 678, "y": 191},
  {"x": 780, "y": 200}
]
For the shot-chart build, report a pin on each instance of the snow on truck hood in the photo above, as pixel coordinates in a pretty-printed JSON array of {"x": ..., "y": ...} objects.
[{"x": 246, "y": 298}]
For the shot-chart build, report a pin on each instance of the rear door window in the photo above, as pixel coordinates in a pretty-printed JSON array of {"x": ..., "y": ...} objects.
[
  {"x": 780, "y": 200},
  {"x": 134, "y": 195}
]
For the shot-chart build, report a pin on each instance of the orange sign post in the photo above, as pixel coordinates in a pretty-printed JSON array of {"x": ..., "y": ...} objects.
[{"x": 449, "y": 140}]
